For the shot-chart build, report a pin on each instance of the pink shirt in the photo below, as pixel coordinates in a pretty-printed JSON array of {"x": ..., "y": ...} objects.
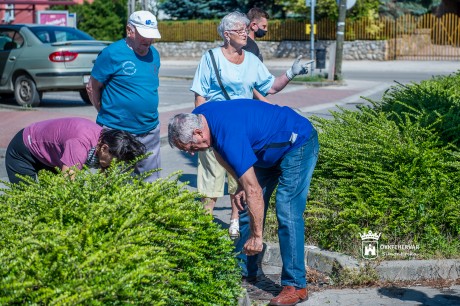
[{"x": 63, "y": 141}]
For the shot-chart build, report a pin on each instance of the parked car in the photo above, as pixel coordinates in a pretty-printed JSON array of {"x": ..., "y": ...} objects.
[{"x": 37, "y": 58}]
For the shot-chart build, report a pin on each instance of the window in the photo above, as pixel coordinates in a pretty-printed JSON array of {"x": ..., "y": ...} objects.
[
  {"x": 10, "y": 39},
  {"x": 53, "y": 34},
  {"x": 44, "y": 36}
]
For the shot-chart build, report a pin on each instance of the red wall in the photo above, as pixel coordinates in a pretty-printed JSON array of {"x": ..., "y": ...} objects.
[{"x": 28, "y": 16}]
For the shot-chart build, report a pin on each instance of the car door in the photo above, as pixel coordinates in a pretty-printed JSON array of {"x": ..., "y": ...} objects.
[{"x": 11, "y": 46}]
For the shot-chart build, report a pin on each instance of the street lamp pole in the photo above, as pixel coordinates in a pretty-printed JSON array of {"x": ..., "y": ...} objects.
[
  {"x": 340, "y": 39},
  {"x": 312, "y": 29},
  {"x": 131, "y": 7}
]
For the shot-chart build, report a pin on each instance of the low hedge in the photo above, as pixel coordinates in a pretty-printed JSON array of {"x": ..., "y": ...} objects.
[
  {"x": 433, "y": 103},
  {"x": 394, "y": 169},
  {"x": 393, "y": 178},
  {"x": 111, "y": 239}
]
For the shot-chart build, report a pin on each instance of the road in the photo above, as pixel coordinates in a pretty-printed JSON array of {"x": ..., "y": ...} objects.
[
  {"x": 176, "y": 79},
  {"x": 361, "y": 79}
]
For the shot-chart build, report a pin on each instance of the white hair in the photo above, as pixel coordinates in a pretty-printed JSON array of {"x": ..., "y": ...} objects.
[
  {"x": 181, "y": 127},
  {"x": 232, "y": 21},
  {"x": 132, "y": 26}
]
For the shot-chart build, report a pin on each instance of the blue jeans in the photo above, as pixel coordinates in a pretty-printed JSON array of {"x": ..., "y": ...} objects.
[{"x": 292, "y": 175}]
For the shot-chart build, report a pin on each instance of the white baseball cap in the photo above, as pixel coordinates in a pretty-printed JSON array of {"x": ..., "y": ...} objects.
[{"x": 145, "y": 23}]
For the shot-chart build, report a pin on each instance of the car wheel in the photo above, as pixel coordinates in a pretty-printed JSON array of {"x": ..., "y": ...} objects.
[
  {"x": 84, "y": 96},
  {"x": 25, "y": 91}
]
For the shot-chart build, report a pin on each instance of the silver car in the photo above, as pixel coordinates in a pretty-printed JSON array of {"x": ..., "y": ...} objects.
[{"x": 36, "y": 58}]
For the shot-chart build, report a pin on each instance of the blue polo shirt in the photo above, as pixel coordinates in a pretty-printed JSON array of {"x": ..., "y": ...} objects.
[
  {"x": 249, "y": 132},
  {"x": 129, "y": 99}
]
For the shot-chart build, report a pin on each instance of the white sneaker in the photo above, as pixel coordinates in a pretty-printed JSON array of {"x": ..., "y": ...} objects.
[{"x": 234, "y": 229}]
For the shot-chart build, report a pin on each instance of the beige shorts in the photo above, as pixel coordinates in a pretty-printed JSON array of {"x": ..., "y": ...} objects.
[{"x": 211, "y": 176}]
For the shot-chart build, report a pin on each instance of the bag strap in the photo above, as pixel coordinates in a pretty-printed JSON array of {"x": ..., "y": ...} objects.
[{"x": 218, "y": 76}]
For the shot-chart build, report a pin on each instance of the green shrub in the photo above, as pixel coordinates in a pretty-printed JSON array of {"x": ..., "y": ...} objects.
[
  {"x": 320, "y": 77},
  {"x": 433, "y": 103},
  {"x": 376, "y": 174},
  {"x": 112, "y": 239},
  {"x": 393, "y": 169}
]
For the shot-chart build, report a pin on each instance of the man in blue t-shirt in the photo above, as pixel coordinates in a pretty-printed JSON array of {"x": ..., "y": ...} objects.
[
  {"x": 262, "y": 146},
  {"x": 124, "y": 87}
]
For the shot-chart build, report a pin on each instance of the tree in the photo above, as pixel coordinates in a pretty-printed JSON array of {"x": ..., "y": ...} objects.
[
  {"x": 396, "y": 8},
  {"x": 210, "y": 9},
  {"x": 327, "y": 8},
  {"x": 274, "y": 9},
  {"x": 198, "y": 9},
  {"x": 362, "y": 8},
  {"x": 448, "y": 6},
  {"x": 104, "y": 20}
]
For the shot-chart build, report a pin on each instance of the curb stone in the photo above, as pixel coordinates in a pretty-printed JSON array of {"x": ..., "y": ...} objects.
[
  {"x": 414, "y": 270},
  {"x": 244, "y": 300},
  {"x": 394, "y": 270},
  {"x": 320, "y": 260},
  {"x": 329, "y": 262}
]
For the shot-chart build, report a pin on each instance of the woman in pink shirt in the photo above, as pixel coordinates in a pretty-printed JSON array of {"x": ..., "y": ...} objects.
[{"x": 64, "y": 143}]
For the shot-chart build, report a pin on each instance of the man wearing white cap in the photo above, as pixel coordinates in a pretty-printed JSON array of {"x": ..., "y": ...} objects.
[{"x": 124, "y": 87}]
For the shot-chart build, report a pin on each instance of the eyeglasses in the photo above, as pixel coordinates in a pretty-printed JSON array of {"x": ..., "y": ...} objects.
[{"x": 240, "y": 32}]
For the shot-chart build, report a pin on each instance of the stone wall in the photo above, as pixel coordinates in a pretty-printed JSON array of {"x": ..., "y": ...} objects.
[{"x": 352, "y": 50}]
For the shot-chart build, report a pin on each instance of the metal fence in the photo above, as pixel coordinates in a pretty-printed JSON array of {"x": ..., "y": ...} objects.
[{"x": 421, "y": 37}]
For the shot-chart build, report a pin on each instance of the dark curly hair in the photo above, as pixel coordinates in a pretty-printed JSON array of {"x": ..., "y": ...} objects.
[{"x": 122, "y": 145}]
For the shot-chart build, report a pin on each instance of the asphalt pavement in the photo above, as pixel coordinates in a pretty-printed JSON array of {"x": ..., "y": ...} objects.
[{"x": 361, "y": 79}]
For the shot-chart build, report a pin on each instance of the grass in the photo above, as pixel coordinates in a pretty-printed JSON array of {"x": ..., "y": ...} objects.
[{"x": 322, "y": 77}]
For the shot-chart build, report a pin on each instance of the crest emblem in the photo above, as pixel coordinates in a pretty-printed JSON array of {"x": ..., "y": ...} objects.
[{"x": 370, "y": 245}]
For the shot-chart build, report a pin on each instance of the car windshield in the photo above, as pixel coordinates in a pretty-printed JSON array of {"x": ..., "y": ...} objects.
[{"x": 59, "y": 34}]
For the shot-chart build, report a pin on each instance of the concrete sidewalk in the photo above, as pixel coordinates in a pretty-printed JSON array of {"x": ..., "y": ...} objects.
[{"x": 376, "y": 66}]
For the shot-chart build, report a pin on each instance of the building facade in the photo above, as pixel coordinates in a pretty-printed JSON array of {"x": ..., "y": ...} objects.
[{"x": 14, "y": 11}]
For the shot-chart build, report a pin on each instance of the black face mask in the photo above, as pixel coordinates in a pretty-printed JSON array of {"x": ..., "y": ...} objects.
[{"x": 260, "y": 33}]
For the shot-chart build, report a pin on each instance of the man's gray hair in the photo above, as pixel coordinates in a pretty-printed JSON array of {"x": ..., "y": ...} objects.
[
  {"x": 131, "y": 26},
  {"x": 231, "y": 22},
  {"x": 181, "y": 127}
]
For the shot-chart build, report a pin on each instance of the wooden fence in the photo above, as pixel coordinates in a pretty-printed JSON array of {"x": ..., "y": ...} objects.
[{"x": 421, "y": 37}]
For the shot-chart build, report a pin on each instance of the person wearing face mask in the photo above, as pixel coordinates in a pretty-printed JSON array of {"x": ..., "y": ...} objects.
[
  {"x": 258, "y": 26},
  {"x": 124, "y": 87}
]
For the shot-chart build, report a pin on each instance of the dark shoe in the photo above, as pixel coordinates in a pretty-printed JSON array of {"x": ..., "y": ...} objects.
[{"x": 290, "y": 296}]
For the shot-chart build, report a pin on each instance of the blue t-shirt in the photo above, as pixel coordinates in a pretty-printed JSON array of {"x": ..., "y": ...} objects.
[
  {"x": 129, "y": 99},
  {"x": 239, "y": 80},
  {"x": 249, "y": 132}
]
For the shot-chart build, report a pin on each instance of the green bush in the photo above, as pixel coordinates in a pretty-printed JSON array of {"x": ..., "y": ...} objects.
[
  {"x": 393, "y": 169},
  {"x": 112, "y": 239},
  {"x": 434, "y": 102},
  {"x": 394, "y": 178}
]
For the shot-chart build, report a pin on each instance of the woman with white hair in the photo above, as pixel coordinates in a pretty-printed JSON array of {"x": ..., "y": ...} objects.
[{"x": 225, "y": 73}]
